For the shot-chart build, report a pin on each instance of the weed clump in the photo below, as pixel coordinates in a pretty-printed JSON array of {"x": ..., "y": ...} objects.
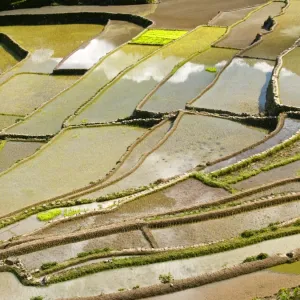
[
  {"x": 166, "y": 278},
  {"x": 260, "y": 256},
  {"x": 48, "y": 265},
  {"x": 48, "y": 215}
]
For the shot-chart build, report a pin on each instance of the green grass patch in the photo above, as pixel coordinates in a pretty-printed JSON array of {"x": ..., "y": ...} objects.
[
  {"x": 2, "y": 144},
  {"x": 211, "y": 69},
  {"x": 48, "y": 215},
  {"x": 260, "y": 256},
  {"x": 158, "y": 37}
]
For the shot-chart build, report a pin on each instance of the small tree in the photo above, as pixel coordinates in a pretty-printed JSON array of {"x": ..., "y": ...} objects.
[{"x": 166, "y": 278}]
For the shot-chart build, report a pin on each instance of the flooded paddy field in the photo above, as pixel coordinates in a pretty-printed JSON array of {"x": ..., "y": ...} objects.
[
  {"x": 13, "y": 151},
  {"x": 245, "y": 287},
  {"x": 224, "y": 228},
  {"x": 75, "y": 148},
  {"x": 119, "y": 241},
  {"x": 289, "y": 79},
  {"x": 49, "y": 37},
  {"x": 241, "y": 88},
  {"x": 115, "y": 34},
  {"x": 185, "y": 149},
  {"x": 227, "y": 18},
  {"x": 7, "y": 120},
  {"x": 24, "y": 93},
  {"x": 189, "y": 81},
  {"x": 290, "y": 128},
  {"x": 147, "y": 275},
  {"x": 183, "y": 194},
  {"x": 162, "y": 127},
  {"x": 189, "y": 14},
  {"x": 243, "y": 34},
  {"x": 284, "y": 35},
  {"x": 7, "y": 59},
  {"x": 287, "y": 171},
  {"x": 50, "y": 118},
  {"x": 144, "y": 77}
]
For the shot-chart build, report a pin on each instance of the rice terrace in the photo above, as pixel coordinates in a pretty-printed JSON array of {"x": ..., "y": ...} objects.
[{"x": 149, "y": 149}]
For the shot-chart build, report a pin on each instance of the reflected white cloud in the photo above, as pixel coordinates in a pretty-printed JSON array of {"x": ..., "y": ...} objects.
[
  {"x": 86, "y": 57},
  {"x": 184, "y": 72},
  {"x": 41, "y": 55},
  {"x": 155, "y": 68},
  {"x": 286, "y": 73},
  {"x": 221, "y": 64},
  {"x": 292, "y": 31},
  {"x": 264, "y": 67}
]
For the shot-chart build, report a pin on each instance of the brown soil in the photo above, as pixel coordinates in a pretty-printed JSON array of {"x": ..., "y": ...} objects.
[
  {"x": 190, "y": 13},
  {"x": 245, "y": 287}
]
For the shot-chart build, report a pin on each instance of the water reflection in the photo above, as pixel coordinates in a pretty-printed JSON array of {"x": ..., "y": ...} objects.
[
  {"x": 86, "y": 57},
  {"x": 242, "y": 87},
  {"x": 289, "y": 87}
]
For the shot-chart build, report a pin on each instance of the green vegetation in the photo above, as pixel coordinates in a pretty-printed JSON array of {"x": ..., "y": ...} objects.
[
  {"x": 260, "y": 256},
  {"x": 227, "y": 245},
  {"x": 37, "y": 298},
  {"x": 73, "y": 212},
  {"x": 49, "y": 215},
  {"x": 165, "y": 278},
  {"x": 289, "y": 294},
  {"x": 2, "y": 144},
  {"x": 211, "y": 69},
  {"x": 158, "y": 37},
  {"x": 95, "y": 251},
  {"x": 48, "y": 265}
]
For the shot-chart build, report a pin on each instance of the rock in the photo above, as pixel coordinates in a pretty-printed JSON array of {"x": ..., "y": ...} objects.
[{"x": 290, "y": 254}]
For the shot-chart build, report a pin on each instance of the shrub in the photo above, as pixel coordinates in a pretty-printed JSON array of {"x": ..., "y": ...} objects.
[
  {"x": 260, "y": 256},
  {"x": 48, "y": 265},
  {"x": 247, "y": 233},
  {"x": 37, "y": 298},
  {"x": 166, "y": 278},
  {"x": 49, "y": 215}
]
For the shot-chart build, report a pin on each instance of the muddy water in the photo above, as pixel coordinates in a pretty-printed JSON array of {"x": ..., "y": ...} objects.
[
  {"x": 7, "y": 59},
  {"x": 115, "y": 34},
  {"x": 243, "y": 34},
  {"x": 290, "y": 170},
  {"x": 50, "y": 118},
  {"x": 246, "y": 287},
  {"x": 188, "y": 14},
  {"x": 86, "y": 153},
  {"x": 240, "y": 89},
  {"x": 124, "y": 240},
  {"x": 186, "y": 148},
  {"x": 117, "y": 103},
  {"x": 225, "y": 228},
  {"x": 289, "y": 79},
  {"x": 189, "y": 81},
  {"x": 49, "y": 37},
  {"x": 284, "y": 35},
  {"x": 31, "y": 224},
  {"x": 184, "y": 194},
  {"x": 147, "y": 275},
  {"x": 290, "y": 127},
  {"x": 227, "y": 18},
  {"x": 145, "y": 146},
  {"x": 26, "y": 92},
  {"x": 288, "y": 268},
  {"x": 14, "y": 151},
  {"x": 40, "y": 61},
  {"x": 6, "y": 121}
]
